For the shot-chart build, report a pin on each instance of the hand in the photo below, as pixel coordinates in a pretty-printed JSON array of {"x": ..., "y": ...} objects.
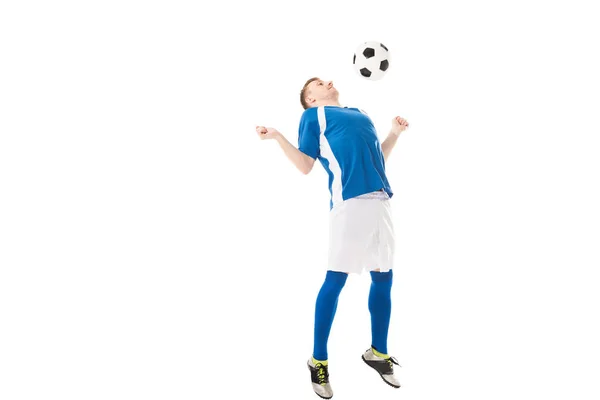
[
  {"x": 399, "y": 125},
  {"x": 267, "y": 133}
]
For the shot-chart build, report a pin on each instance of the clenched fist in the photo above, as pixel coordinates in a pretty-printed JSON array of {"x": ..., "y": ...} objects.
[
  {"x": 267, "y": 133},
  {"x": 399, "y": 125}
]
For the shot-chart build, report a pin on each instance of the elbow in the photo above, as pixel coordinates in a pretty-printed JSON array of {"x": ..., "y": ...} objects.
[{"x": 307, "y": 166}]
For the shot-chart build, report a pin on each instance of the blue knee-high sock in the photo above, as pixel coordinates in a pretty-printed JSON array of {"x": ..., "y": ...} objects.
[
  {"x": 380, "y": 307},
  {"x": 325, "y": 308}
]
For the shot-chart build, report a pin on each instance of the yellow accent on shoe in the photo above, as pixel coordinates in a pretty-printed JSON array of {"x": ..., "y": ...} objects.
[
  {"x": 315, "y": 362},
  {"x": 378, "y": 354}
]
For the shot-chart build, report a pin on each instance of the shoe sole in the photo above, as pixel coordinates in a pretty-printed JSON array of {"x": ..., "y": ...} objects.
[
  {"x": 326, "y": 398},
  {"x": 381, "y": 376}
]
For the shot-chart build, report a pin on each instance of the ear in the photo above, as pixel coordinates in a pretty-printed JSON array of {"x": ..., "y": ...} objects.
[{"x": 310, "y": 100}]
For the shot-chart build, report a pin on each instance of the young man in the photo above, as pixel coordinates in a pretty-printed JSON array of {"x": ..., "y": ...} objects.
[{"x": 361, "y": 234}]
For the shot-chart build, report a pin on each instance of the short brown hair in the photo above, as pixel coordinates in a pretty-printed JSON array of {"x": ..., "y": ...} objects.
[{"x": 303, "y": 92}]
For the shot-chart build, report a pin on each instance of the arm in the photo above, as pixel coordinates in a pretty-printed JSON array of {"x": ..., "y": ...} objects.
[
  {"x": 303, "y": 162},
  {"x": 398, "y": 126},
  {"x": 388, "y": 144}
]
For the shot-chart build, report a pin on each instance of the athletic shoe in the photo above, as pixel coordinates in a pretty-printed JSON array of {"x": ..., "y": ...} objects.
[
  {"x": 384, "y": 366},
  {"x": 319, "y": 376}
]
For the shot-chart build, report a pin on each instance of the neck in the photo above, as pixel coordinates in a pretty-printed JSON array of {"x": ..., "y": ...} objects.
[{"x": 329, "y": 103}]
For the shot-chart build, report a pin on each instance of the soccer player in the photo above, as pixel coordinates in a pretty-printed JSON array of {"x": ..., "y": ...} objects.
[{"x": 361, "y": 229}]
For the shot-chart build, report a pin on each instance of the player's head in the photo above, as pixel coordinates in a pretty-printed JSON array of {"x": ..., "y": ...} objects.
[{"x": 316, "y": 92}]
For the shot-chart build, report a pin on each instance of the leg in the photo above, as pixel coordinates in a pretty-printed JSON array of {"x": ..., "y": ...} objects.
[
  {"x": 380, "y": 307},
  {"x": 380, "y": 300},
  {"x": 326, "y": 306}
]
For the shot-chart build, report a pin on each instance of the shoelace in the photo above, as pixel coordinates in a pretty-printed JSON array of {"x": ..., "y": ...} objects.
[
  {"x": 321, "y": 374},
  {"x": 391, "y": 361}
]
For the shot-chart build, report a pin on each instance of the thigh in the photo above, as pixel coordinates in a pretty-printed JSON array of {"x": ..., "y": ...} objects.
[
  {"x": 354, "y": 220},
  {"x": 352, "y": 230},
  {"x": 387, "y": 238}
]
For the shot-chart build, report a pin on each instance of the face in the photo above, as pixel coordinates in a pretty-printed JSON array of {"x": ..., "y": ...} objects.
[{"x": 320, "y": 90}]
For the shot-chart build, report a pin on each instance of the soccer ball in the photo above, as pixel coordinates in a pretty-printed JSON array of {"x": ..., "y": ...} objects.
[{"x": 371, "y": 60}]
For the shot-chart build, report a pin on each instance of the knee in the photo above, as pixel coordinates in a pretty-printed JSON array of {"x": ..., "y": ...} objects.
[
  {"x": 335, "y": 279},
  {"x": 378, "y": 276}
]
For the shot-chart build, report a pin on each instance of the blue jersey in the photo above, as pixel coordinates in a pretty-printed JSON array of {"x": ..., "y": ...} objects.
[{"x": 345, "y": 141}]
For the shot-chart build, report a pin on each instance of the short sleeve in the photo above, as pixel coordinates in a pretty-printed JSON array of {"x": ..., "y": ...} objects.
[{"x": 309, "y": 133}]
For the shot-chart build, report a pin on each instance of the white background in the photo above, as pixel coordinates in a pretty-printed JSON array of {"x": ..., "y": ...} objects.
[{"x": 152, "y": 247}]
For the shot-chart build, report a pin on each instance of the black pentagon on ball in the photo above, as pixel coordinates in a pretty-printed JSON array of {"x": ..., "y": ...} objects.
[
  {"x": 354, "y": 59},
  {"x": 368, "y": 52},
  {"x": 365, "y": 72},
  {"x": 384, "y": 65},
  {"x": 381, "y": 44}
]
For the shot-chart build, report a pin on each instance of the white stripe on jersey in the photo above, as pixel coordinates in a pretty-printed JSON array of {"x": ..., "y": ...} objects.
[{"x": 327, "y": 153}]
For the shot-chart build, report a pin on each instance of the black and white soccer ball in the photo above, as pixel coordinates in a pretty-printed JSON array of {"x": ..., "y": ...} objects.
[{"x": 371, "y": 60}]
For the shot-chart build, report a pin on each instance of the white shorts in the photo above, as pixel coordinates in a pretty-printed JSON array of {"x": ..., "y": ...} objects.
[{"x": 361, "y": 234}]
